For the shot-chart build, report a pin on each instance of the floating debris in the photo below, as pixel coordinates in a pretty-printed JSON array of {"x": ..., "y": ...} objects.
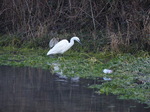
[
  {"x": 107, "y": 71},
  {"x": 107, "y": 79},
  {"x": 75, "y": 79}
]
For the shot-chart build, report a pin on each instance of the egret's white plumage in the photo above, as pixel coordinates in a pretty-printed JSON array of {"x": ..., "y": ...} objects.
[{"x": 63, "y": 46}]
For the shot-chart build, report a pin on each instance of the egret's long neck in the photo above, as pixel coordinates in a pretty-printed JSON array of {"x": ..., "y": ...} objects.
[{"x": 71, "y": 42}]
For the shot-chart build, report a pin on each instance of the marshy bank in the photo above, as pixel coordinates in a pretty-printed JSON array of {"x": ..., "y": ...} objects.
[
  {"x": 130, "y": 77},
  {"x": 115, "y": 35}
]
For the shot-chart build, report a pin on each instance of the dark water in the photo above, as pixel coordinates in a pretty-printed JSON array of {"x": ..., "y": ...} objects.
[{"x": 36, "y": 90}]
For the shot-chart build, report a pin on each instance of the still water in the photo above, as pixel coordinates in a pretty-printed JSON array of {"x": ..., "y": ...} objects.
[{"x": 25, "y": 89}]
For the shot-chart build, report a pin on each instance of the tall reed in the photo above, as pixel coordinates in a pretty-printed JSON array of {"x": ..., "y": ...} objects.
[{"x": 124, "y": 23}]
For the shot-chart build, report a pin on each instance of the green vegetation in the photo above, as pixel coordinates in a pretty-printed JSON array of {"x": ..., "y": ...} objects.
[
  {"x": 130, "y": 77},
  {"x": 115, "y": 35}
]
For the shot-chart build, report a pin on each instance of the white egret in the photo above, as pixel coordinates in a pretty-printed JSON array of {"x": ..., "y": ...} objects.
[{"x": 63, "y": 46}]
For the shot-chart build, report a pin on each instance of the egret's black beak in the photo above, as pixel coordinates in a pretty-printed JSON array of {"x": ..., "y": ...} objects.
[{"x": 80, "y": 42}]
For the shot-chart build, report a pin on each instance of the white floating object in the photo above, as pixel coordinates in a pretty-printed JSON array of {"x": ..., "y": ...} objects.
[
  {"x": 75, "y": 79},
  {"x": 61, "y": 76},
  {"x": 55, "y": 66},
  {"x": 107, "y": 71},
  {"x": 107, "y": 79}
]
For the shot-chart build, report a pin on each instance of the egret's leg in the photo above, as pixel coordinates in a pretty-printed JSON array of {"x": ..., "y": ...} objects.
[{"x": 51, "y": 56}]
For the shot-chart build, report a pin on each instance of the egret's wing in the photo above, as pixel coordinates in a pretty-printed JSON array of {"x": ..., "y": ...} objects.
[{"x": 53, "y": 42}]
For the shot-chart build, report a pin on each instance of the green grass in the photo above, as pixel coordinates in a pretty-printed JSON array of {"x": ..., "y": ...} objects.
[{"x": 130, "y": 77}]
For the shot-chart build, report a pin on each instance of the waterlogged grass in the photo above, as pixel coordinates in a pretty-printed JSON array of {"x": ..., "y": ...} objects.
[
  {"x": 22, "y": 57},
  {"x": 130, "y": 77}
]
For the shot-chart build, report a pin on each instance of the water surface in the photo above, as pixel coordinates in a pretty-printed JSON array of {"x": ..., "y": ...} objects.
[{"x": 26, "y": 89}]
